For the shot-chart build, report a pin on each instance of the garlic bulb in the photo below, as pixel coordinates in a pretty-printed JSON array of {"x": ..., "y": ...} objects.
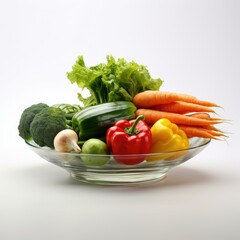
[{"x": 66, "y": 141}]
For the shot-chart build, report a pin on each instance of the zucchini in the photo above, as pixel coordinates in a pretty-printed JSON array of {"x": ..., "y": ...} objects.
[{"x": 94, "y": 121}]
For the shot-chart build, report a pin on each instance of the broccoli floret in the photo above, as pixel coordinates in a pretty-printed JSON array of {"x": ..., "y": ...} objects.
[
  {"x": 26, "y": 119},
  {"x": 46, "y": 125}
]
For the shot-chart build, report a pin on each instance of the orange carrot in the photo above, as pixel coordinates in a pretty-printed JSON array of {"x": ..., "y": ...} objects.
[
  {"x": 216, "y": 133},
  {"x": 211, "y": 127},
  {"x": 195, "y": 131},
  {"x": 151, "y": 116},
  {"x": 202, "y": 115},
  {"x": 149, "y": 98},
  {"x": 182, "y": 107},
  {"x": 207, "y": 116}
]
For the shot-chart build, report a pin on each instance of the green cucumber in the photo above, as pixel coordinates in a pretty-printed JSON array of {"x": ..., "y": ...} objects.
[{"x": 94, "y": 121}]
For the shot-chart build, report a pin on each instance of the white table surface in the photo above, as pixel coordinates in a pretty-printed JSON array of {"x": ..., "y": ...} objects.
[
  {"x": 193, "y": 45},
  {"x": 197, "y": 200}
]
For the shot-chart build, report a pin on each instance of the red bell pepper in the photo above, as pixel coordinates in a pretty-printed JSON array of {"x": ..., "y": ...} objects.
[{"x": 128, "y": 138}]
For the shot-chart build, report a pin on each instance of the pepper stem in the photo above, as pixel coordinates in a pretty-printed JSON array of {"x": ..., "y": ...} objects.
[{"x": 133, "y": 130}]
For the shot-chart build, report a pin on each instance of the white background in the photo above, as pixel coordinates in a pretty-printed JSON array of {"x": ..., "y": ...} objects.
[{"x": 192, "y": 45}]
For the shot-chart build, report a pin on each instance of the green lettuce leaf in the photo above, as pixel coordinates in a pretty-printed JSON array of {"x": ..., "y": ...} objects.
[{"x": 117, "y": 80}]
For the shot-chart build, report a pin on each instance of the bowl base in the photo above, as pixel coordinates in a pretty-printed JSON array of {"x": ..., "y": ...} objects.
[
  {"x": 117, "y": 179},
  {"x": 114, "y": 173}
]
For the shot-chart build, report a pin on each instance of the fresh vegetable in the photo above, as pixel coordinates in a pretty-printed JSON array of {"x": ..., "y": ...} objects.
[
  {"x": 151, "y": 116},
  {"x": 68, "y": 109},
  {"x": 94, "y": 121},
  {"x": 46, "y": 125},
  {"x": 129, "y": 137},
  {"x": 182, "y": 107},
  {"x": 204, "y": 115},
  {"x": 166, "y": 138},
  {"x": 27, "y": 117},
  {"x": 198, "y": 131},
  {"x": 94, "y": 146},
  {"x": 117, "y": 80},
  {"x": 148, "y": 99},
  {"x": 66, "y": 141},
  {"x": 187, "y": 111}
]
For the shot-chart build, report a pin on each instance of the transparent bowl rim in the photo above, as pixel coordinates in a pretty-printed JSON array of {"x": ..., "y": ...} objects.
[{"x": 204, "y": 142}]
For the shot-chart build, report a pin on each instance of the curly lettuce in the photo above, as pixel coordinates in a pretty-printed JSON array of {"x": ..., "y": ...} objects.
[{"x": 117, "y": 80}]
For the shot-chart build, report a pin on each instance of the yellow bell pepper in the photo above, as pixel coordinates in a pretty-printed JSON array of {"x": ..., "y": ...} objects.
[{"x": 167, "y": 137}]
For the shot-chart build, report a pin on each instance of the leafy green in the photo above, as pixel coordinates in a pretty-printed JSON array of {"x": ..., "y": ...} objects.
[{"x": 117, "y": 80}]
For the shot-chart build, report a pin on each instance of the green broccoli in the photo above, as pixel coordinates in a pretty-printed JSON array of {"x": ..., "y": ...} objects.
[
  {"x": 46, "y": 125},
  {"x": 27, "y": 117}
]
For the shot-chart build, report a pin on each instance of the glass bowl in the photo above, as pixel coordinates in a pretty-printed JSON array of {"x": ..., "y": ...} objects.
[{"x": 104, "y": 169}]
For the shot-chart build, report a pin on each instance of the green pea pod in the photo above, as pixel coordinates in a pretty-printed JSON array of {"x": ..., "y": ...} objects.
[{"x": 68, "y": 109}]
